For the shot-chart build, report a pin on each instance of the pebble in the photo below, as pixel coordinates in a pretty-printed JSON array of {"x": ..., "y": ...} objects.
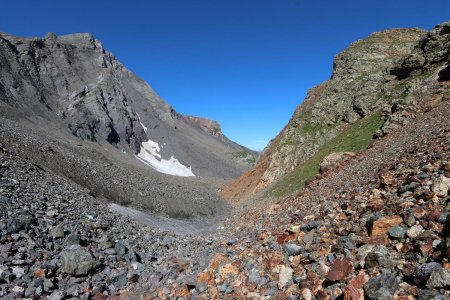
[
  {"x": 293, "y": 249},
  {"x": 285, "y": 276},
  {"x": 414, "y": 231},
  {"x": 396, "y": 232}
]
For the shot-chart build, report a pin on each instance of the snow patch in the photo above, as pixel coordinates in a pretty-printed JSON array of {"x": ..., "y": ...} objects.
[
  {"x": 150, "y": 155},
  {"x": 143, "y": 126}
]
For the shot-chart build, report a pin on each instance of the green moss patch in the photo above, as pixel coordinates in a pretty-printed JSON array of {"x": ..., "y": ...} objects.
[{"x": 354, "y": 138}]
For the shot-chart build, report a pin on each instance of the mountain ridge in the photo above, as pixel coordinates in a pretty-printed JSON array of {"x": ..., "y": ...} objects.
[
  {"x": 97, "y": 97},
  {"x": 363, "y": 81}
]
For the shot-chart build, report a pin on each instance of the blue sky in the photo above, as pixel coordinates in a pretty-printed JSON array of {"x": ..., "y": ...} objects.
[{"x": 244, "y": 63}]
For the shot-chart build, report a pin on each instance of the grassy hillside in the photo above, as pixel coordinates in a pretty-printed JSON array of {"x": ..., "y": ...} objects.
[{"x": 354, "y": 138}]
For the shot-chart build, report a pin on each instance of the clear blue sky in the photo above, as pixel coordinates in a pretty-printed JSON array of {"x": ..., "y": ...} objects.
[{"x": 244, "y": 63}]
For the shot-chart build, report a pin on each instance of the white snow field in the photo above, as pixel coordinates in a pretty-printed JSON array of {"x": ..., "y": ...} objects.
[{"x": 149, "y": 154}]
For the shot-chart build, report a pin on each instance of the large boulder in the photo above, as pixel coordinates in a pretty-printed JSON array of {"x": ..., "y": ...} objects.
[
  {"x": 77, "y": 260},
  {"x": 334, "y": 159}
]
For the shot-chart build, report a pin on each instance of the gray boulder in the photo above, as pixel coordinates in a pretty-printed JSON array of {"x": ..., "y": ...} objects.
[{"x": 77, "y": 260}]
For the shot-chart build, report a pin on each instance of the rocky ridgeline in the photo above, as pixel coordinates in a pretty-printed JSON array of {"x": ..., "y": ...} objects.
[{"x": 398, "y": 73}]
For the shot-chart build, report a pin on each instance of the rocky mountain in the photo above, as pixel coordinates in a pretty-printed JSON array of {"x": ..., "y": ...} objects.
[
  {"x": 80, "y": 219},
  {"x": 73, "y": 81},
  {"x": 377, "y": 84}
]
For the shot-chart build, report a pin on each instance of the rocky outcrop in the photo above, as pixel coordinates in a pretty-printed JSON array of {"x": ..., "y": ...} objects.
[
  {"x": 207, "y": 125},
  {"x": 74, "y": 78},
  {"x": 396, "y": 73}
]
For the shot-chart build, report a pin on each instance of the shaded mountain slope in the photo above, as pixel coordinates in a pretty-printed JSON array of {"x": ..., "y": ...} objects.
[{"x": 378, "y": 81}]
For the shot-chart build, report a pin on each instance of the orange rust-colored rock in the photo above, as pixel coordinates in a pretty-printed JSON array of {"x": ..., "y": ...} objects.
[
  {"x": 180, "y": 291},
  {"x": 381, "y": 226},
  {"x": 98, "y": 296},
  {"x": 387, "y": 180},
  {"x": 228, "y": 270},
  {"x": 206, "y": 278},
  {"x": 274, "y": 259},
  {"x": 359, "y": 281},
  {"x": 39, "y": 273},
  {"x": 219, "y": 259},
  {"x": 376, "y": 240}
]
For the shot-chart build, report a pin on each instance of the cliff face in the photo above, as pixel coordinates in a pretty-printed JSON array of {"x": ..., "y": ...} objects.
[
  {"x": 74, "y": 78},
  {"x": 73, "y": 81},
  {"x": 387, "y": 74}
]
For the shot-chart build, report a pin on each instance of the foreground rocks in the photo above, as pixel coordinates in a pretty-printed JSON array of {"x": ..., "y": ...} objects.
[
  {"x": 57, "y": 241},
  {"x": 378, "y": 229}
]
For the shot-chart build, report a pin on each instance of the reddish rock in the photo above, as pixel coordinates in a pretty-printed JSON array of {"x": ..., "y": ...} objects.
[
  {"x": 161, "y": 294},
  {"x": 217, "y": 261},
  {"x": 418, "y": 212},
  {"x": 98, "y": 296},
  {"x": 283, "y": 238},
  {"x": 228, "y": 270},
  {"x": 427, "y": 248},
  {"x": 274, "y": 259},
  {"x": 425, "y": 195},
  {"x": 322, "y": 295},
  {"x": 359, "y": 281},
  {"x": 351, "y": 293},
  {"x": 447, "y": 166},
  {"x": 339, "y": 269},
  {"x": 205, "y": 278},
  {"x": 180, "y": 291},
  {"x": 381, "y": 226},
  {"x": 376, "y": 240},
  {"x": 39, "y": 273},
  {"x": 409, "y": 297},
  {"x": 387, "y": 180},
  {"x": 433, "y": 213}
]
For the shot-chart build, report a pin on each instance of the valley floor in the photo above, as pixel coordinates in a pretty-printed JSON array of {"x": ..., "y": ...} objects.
[{"x": 377, "y": 227}]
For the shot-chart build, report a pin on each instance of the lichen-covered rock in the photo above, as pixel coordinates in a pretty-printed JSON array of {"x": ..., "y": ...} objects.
[
  {"x": 381, "y": 287},
  {"x": 77, "y": 260},
  {"x": 439, "y": 279}
]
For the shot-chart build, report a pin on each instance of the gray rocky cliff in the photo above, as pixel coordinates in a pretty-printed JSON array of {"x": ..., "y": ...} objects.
[{"x": 73, "y": 81}]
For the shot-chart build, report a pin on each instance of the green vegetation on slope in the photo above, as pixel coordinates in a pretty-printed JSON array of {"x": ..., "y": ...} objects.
[
  {"x": 354, "y": 138},
  {"x": 241, "y": 154}
]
